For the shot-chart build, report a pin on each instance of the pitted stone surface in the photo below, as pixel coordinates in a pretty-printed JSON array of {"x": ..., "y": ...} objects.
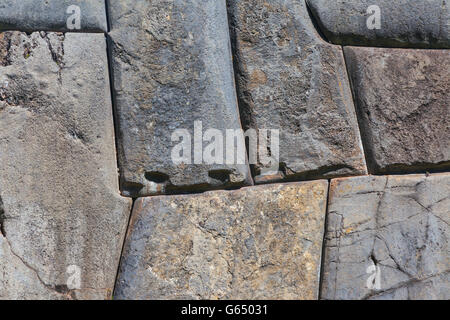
[
  {"x": 260, "y": 242},
  {"x": 172, "y": 67},
  {"x": 289, "y": 79},
  {"x": 393, "y": 226},
  {"x": 58, "y": 173},
  {"x": 403, "y": 23},
  {"x": 53, "y": 15},
  {"x": 403, "y": 103}
]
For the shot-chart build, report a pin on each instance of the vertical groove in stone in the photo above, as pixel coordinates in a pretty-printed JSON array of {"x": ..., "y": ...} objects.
[
  {"x": 362, "y": 134},
  {"x": 243, "y": 113},
  {"x": 108, "y": 22},
  {"x": 123, "y": 246},
  {"x": 322, "y": 256},
  {"x": 232, "y": 38},
  {"x": 116, "y": 123}
]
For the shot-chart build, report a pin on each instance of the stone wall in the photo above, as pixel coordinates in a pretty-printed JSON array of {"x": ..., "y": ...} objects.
[{"x": 125, "y": 171}]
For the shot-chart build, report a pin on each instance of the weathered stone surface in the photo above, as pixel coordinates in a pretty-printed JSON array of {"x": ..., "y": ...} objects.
[
  {"x": 403, "y": 23},
  {"x": 403, "y": 102},
  {"x": 172, "y": 67},
  {"x": 289, "y": 79},
  {"x": 53, "y": 15},
  {"x": 58, "y": 171},
  {"x": 260, "y": 242},
  {"x": 398, "y": 225}
]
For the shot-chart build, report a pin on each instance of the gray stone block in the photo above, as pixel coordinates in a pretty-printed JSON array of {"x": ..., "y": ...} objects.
[
  {"x": 63, "y": 215},
  {"x": 403, "y": 105},
  {"x": 261, "y": 242},
  {"x": 172, "y": 67},
  {"x": 402, "y": 23},
  {"x": 388, "y": 238},
  {"x": 53, "y": 15},
  {"x": 290, "y": 80}
]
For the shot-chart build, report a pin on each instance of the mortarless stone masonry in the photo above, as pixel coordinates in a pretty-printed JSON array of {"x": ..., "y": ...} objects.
[
  {"x": 63, "y": 221},
  {"x": 402, "y": 23},
  {"x": 289, "y": 79},
  {"x": 53, "y": 15},
  {"x": 172, "y": 67},
  {"x": 403, "y": 103},
  {"x": 254, "y": 243},
  {"x": 396, "y": 227},
  {"x": 58, "y": 172}
]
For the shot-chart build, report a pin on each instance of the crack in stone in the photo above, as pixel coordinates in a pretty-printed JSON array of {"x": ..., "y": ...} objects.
[
  {"x": 397, "y": 264},
  {"x": 338, "y": 262},
  {"x": 2, "y": 219},
  {"x": 412, "y": 276},
  {"x": 403, "y": 284},
  {"x": 57, "y": 57},
  {"x": 56, "y": 289}
]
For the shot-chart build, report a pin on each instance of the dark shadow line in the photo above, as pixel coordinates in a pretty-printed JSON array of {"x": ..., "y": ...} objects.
[{"x": 123, "y": 247}]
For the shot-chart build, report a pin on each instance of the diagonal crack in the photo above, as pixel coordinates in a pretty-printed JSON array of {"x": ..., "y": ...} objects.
[
  {"x": 377, "y": 214},
  {"x": 116, "y": 279},
  {"x": 56, "y": 289},
  {"x": 402, "y": 284}
]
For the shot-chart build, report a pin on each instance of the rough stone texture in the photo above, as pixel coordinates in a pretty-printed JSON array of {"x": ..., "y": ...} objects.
[
  {"x": 403, "y": 103},
  {"x": 172, "y": 66},
  {"x": 58, "y": 171},
  {"x": 254, "y": 243},
  {"x": 404, "y": 23},
  {"x": 52, "y": 15},
  {"x": 400, "y": 224},
  {"x": 289, "y": 79}
]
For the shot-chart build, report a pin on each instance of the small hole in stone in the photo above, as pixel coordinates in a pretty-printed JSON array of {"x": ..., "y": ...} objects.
[
  {"x": 221, "y": 175},
  {"x": 157, "y": 177}
]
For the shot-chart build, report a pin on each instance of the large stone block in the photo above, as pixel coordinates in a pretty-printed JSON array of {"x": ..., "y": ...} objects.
[
  {"x": 172, "y": 68},
  {"x": 399, "y": 23},
  {"x": 63, "y": 216},
  {"x": 403, "y": 104},
  {"x": 260, "y": 242},
  {"x": 290, "y": 80},
  {"x": 388, "y": 238},
  {"x": 53, "y": 15}
]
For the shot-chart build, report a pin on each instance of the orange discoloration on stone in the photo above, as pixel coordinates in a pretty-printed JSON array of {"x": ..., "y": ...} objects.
[{"x": 257, "y": 78}]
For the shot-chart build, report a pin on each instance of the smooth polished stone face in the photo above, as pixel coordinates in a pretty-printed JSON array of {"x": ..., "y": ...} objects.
[
  {"x": 53, "y": 15},
  {"x": 172, "y": 70},
  {"x": 384, "y": 23}
]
